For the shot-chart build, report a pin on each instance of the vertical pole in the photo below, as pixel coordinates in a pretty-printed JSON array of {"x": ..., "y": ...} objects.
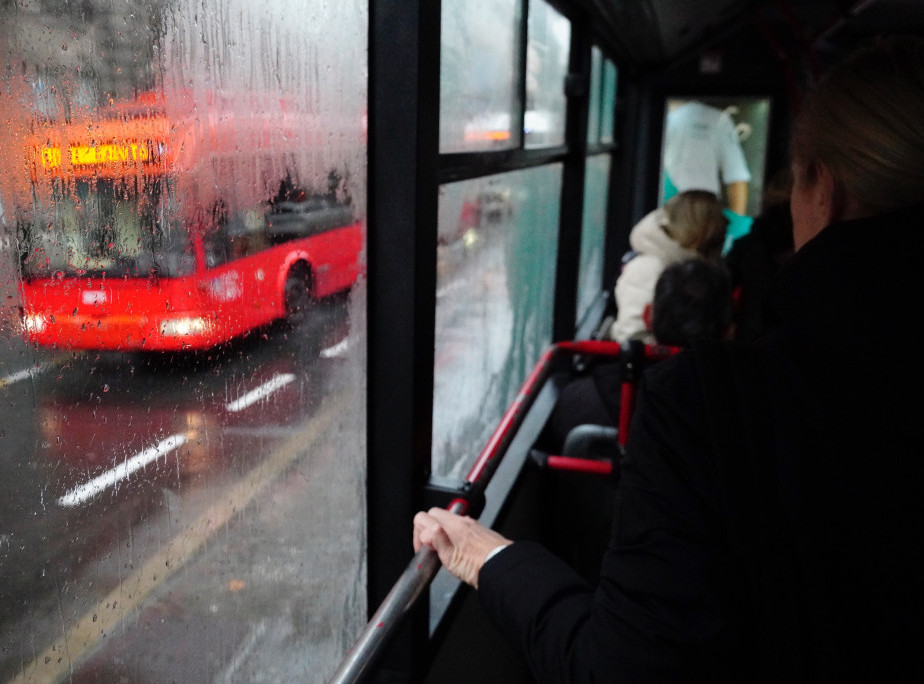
[
  {"x": 404, "y": 47},
  {"x": 572, "y": 188}
]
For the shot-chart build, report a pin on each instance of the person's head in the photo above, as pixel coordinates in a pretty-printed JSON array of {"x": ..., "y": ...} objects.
[
  {"x": 695, "y": 220},
  {"x": 692, "y": 300},
  {"x": 857, "y": 147}
]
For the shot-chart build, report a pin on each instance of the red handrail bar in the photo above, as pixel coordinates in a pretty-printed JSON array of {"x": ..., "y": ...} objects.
[
  {"x": 425, "y": 563},
  {"x": 580, "y": 465},
  {"x": 481, "y": 472},
  {"x": 522, "y": 402}
]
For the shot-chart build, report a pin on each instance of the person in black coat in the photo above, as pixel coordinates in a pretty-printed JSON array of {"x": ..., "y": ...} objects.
[{"x": 770, "y": 521}]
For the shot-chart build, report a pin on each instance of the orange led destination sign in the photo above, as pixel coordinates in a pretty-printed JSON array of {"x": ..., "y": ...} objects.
[{"x": 90, "y": 155}]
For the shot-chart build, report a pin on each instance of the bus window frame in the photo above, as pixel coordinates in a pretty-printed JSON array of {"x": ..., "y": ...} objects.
[{"x": 404, "y": 55}]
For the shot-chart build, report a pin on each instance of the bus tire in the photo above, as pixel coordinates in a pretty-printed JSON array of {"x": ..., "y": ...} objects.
[{"x": 297, "y": 295}]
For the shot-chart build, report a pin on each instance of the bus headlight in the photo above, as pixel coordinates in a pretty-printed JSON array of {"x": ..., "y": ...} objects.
[
  {"x": 181, "y": 327},
  {"x": 34, "y": 322}
]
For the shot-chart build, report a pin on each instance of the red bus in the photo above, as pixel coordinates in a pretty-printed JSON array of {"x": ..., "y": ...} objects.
[{"x": 168, "y": 226}]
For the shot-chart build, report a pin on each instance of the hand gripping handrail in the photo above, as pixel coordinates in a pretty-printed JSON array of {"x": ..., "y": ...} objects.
[{"x": 425, "y": 563}]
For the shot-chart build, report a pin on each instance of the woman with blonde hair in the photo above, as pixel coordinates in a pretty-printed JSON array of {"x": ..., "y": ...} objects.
[{"x": 691, "y": 225}]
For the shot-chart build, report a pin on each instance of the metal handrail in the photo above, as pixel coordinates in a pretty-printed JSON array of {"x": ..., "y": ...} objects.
[
  {"x": 426, "y": 563},
  {"x": 399, "y": 601}
]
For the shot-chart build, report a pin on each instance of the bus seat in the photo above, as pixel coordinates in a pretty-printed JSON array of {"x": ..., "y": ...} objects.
[
  {"x": 595, "y": 448},
  {"x": 591, "y": 441}
]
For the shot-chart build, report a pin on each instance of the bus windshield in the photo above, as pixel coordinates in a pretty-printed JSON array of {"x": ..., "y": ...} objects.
[{"x": 118, "y": 227}]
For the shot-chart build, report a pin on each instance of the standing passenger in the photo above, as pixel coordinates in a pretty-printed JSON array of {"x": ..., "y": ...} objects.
[
  {"x": 702, "y": 152},
  {"x": 769, "y": 524}
]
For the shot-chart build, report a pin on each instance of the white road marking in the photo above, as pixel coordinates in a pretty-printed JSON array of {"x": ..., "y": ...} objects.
[
  {"x": 261, "y": 392},
  {"x": 24, "y": 374},
  {"x": 336, "y": 350},
  {"x": 247, "y": 646},
  {"x": 81, "y": 634},
  {"x": 86, "y": 491}
]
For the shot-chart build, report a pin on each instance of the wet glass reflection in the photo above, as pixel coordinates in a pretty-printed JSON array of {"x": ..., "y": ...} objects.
[
  {"x": 496, "y": 276},
  {"x": 182, "y": 197}
]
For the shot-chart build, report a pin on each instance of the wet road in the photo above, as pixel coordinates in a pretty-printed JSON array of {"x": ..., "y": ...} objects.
[{"x": 142, "y": 498}]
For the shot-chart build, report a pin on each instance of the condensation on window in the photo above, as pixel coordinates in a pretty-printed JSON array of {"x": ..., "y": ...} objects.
[
  {"x": 182, "y": 249},
  {"x": 496, "y": 274}
]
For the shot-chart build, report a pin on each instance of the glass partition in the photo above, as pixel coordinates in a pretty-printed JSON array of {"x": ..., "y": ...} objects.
[
  {"x": 182, "y": 204},
  {"x": 496, "y": 277}
]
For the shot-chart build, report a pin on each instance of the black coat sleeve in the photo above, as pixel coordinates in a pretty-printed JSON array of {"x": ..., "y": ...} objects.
[{"x": 660, "y": 612}]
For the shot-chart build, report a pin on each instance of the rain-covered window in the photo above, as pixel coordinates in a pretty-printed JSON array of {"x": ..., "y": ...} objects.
[
  {"x": 608, "y": 102},
  {"x": 602, "y": 103},
  {"x": 496, "y": 264},
  {"x": 593, "y": 112},
  {"x": 182, "y": 231},
  {"x": 593, "y": 231},
  {"x": 480, "y": 102},
  {"x": 546, "y": 67}
]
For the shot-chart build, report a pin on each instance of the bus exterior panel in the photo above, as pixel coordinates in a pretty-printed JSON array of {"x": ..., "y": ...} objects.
[{"x": 193, "y": 312}]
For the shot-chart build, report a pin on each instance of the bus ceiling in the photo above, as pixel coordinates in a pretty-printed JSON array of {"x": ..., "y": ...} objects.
[{"x": 654, "y": 35}]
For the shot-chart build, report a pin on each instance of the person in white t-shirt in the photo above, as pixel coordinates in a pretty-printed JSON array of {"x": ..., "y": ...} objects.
[{"x": 702, "y": 152}]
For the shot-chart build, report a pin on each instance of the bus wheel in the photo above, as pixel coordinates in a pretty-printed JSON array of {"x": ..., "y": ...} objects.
[{"x": 298, "y": 296}]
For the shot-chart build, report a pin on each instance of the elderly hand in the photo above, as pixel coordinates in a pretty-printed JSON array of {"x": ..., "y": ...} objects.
[{"x": 461, "y": 543}]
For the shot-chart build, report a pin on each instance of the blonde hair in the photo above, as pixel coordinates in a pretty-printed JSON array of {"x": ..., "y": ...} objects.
[
  {"x": 864, "y": 122},
  {"x": 695, "y": 220}
]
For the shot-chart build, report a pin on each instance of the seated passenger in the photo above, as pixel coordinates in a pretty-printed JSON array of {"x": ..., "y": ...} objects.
[
  {"x": 692, "y": 300},
  {"x": 691, "y": 225},
  {"x": 769, "y": 506}
]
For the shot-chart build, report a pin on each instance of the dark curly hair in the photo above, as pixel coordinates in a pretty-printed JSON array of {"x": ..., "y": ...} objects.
[{"x": 692, "y": 300}]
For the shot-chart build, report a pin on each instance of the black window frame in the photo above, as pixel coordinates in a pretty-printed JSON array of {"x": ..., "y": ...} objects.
[{"x": 405, "y": 171}]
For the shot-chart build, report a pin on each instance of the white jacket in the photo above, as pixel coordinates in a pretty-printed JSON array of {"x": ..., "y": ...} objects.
[{"x": 636, "y": 284}]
